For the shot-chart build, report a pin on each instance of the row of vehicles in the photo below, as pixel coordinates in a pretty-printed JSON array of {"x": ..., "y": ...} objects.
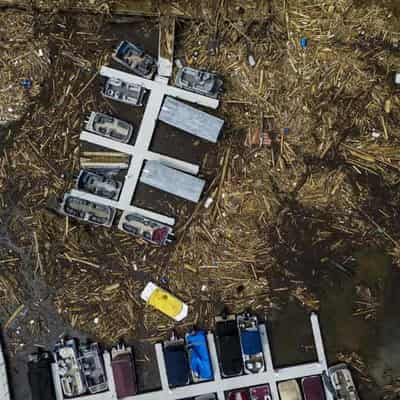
[
  {"x": 81, "y": 370},
  {"x": 239, "y": 345},
  {"x": 132, "y": 223},
  {"x": 338, "y": 381},
  {"x": 239, "y": 351},
  {"x": 101, "y": 182},
  {"x": 137, "y": 61},
  {"x": 187, "y": 360}
]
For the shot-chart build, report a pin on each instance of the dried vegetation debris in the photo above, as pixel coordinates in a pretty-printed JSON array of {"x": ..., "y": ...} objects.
[
  {"x": 341, "y": 113},
  {"x": 23, "y": 55},
  {"x": 97, "y": 6},
  {"x": 339, "y": 106}
]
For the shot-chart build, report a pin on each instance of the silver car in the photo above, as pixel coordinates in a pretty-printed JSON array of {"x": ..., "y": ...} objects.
[
  {"x": 88, "y": 211},
  {"x": 99, "y": 185},
  {"x": 109, "y": 127},
  {"x": 124, "y": 92},
  {"x": 145, "y": 228},
  {"x": 70, "y": 373},
  {"x": 93, "y": 368},
  {"x": 133, "y": 57},
  {"x": 199, "y": 81}
]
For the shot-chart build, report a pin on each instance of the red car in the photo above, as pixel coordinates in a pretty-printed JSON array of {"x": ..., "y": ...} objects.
[
  {"x": 313, "y": 388},
  {"x": 260, "y": 393},
  {"x": 239, "y": 395},
  {"x": 124, "y": 371}
]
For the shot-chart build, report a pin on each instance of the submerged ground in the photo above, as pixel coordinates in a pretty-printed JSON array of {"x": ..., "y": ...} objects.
[{"x": 308, "y": 223}]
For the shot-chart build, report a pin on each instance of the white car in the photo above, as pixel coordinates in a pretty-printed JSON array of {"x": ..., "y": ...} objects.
[
  {"x": 343, "y": 383},
  {"x": 109, "y": 127}
]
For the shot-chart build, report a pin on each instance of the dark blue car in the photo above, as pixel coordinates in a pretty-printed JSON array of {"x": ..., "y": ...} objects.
[{"x": 176, "y": 362}]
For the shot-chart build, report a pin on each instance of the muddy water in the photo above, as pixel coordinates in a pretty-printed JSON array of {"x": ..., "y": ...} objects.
[{"x": 376, "y": 341}]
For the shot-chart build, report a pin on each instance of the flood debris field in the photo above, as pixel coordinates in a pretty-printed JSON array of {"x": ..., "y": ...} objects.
[{"x": 308, "y": 221}]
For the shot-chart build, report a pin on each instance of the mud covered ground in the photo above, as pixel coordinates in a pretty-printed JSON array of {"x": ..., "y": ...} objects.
[{"x": 319, "y": 262}]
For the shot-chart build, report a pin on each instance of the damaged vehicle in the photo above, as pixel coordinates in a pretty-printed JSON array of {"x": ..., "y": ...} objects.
[
  {"x": 93, "y": 368},
  {"x": 70, "y": 373},
  {"x": 250, "y": 342},
  {"x": 123, "y": 367},
  {"x": 199, "y": 81},
  {"x": 99, "y": 185},
  {"x": 109, "y": 127},
  {"x": 342, "y": 382},
  {"x": 88, "y": 211},
  {"x": 151, "y": 231},
  {"x": 228, "y": 346},
  {"x": 134, "y": 58},
  {"x": 128, "y": 93},
  {"x": 40, "y": 377}
]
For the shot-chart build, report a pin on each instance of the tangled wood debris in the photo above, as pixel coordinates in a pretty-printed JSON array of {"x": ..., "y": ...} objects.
[
  {"x": 326, "y": 184},
  {"x": 22, "y": 57}
]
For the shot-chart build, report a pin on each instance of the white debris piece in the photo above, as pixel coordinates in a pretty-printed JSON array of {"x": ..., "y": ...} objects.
[{"x": 4, "y": 389}]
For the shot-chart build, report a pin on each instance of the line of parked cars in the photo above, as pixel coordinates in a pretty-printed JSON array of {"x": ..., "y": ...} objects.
[
  {"x": 132, "y": 223},
  {"x": 137, "y": 61},
  {"x": 80, "y": 370},
  {"x": 239, "y": 351},
  {"x": 80, "y": 367},
  {"x": 239, "y": 345},
  {"x": 187, "y": 360},
  {"x": 262, "y": 392},
  {"x": 338, "y": 381}
]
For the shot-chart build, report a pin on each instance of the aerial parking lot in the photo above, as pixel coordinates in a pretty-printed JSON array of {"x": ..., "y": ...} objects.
[{"x": 238, "y": 156}]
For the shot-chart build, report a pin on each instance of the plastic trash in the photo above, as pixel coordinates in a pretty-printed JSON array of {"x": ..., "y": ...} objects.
[
  {"x": 164, "y": 280},
  {"x": 397, "y": 78},
  {"x": 26, "y": 83},
  {"x": 178, "y": 63},
  {"x": 251, "y": 60},
  {"x": 303, "y": 42},
  {"x": 208, "y": 202}
]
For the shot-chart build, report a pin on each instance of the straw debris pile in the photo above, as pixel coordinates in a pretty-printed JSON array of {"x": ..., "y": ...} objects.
[
  {"x": 324, "y": 182},
  {"x": 338, "y": 158},
  {"x": 22, "y": 56}
]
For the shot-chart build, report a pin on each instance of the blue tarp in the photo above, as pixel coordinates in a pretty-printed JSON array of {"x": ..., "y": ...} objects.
[
  {"x": 200, "y": 362},
  {"x": 251, "y": 342}
]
